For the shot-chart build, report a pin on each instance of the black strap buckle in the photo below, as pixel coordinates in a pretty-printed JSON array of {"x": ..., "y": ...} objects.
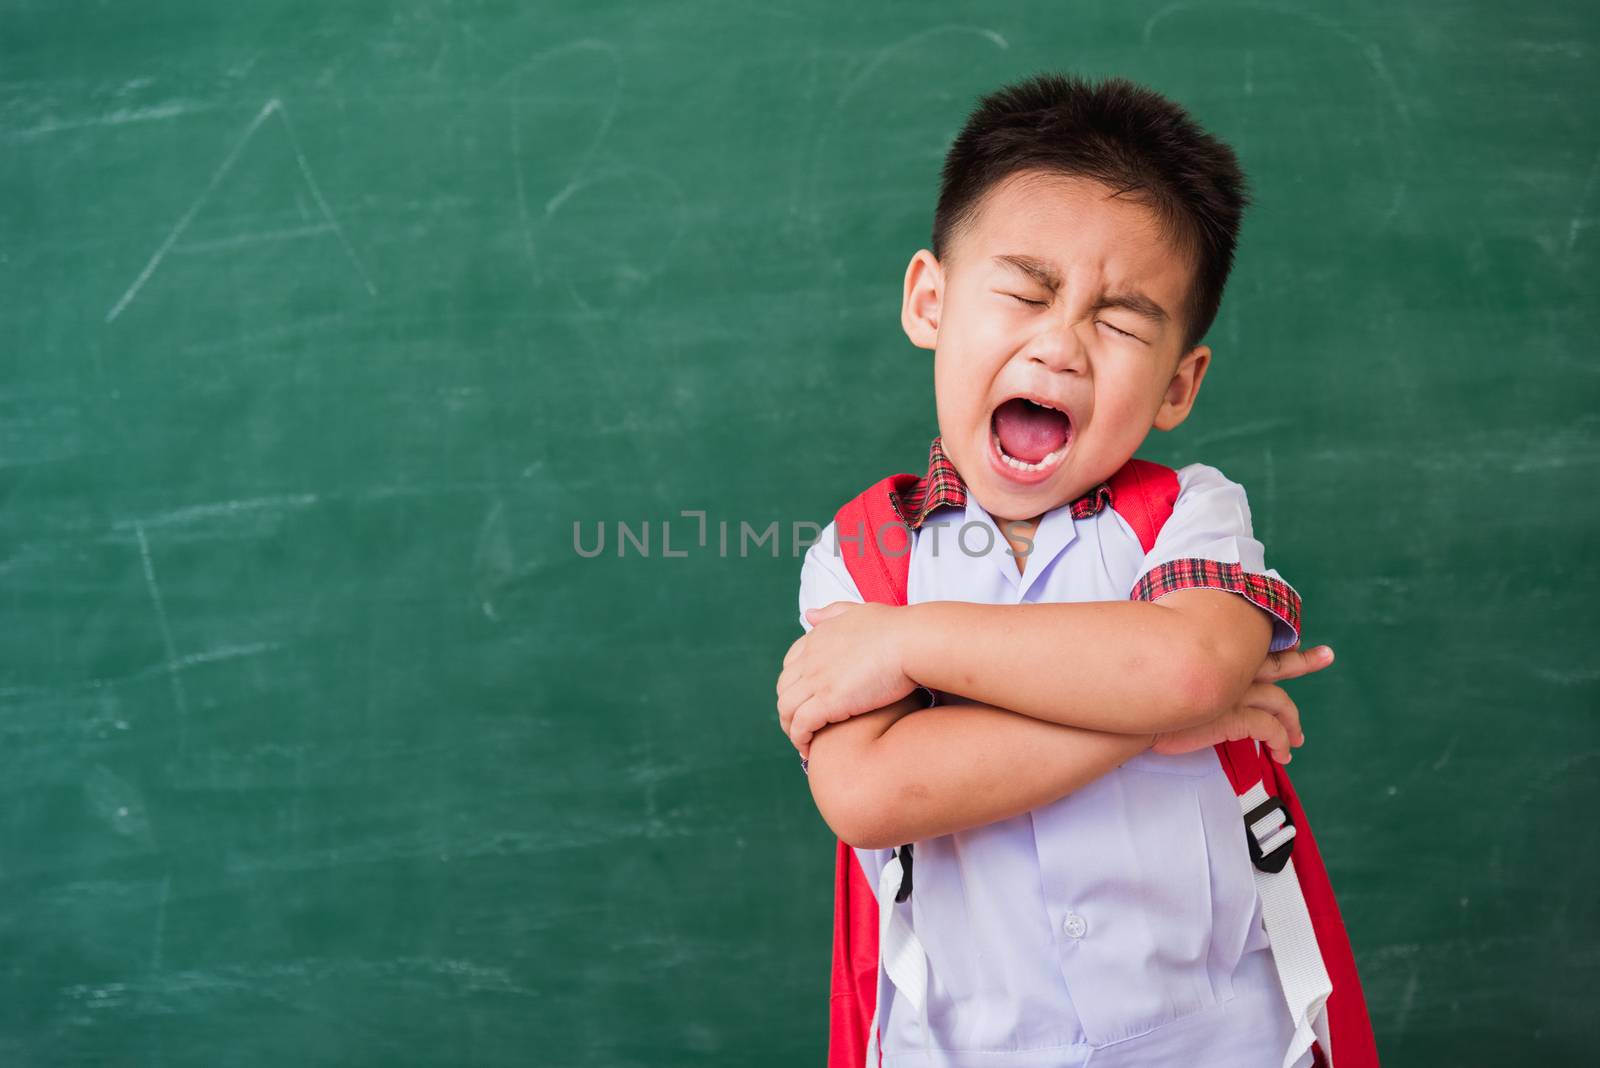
[
  {"x": 904, "y": 853},
  {"x": 1272, "y": 862}
]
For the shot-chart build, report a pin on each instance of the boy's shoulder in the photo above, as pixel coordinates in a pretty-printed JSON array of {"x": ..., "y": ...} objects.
[
  {"x": 1192, "y": 485},
  {"x": 1202, "y": 485},
  {"x": 1200, "y": 475}
]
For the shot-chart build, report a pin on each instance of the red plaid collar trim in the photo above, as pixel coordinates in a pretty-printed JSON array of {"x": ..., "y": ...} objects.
[{"x": 942, "y": 485}]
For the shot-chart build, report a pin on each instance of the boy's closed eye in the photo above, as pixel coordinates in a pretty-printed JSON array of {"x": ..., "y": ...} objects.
[
  {"x": 1114, "y": 329},
  {"x": 1025, "y": 300},
  {"x": 1118, "y": 330}
]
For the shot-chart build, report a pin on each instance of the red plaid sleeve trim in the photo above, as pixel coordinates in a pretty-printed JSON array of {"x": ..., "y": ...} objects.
[{"x": 1274, "y": 596}]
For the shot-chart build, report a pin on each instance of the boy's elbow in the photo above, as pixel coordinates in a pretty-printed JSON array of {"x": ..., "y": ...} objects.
[
  {"x": 1199, "y": 687},
  {"x": 852, "y": 805},
  {"x": 854, "y": 797},
  {"x": 859, "y": 788},
  {"x": 865, "y": 831},
  {"x": 1217, "y": 642}
]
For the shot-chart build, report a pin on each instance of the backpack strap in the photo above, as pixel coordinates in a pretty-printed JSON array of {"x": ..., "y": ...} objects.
[
  {"x": 879, "y": 553},
  {"x": 1310, "y": 945},
  {"x": 1272, "y": 836},
  {"x": 1316, "y": 966},
  {"x": 1348, "y": 1027},
  {"x": 876, "y": 546},
  {"x": 1143, "y": 493},
  {"x": 853, "y": 990}
]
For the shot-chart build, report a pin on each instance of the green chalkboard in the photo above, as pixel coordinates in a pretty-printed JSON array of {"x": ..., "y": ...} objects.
[{"x": 322, "y": 742}]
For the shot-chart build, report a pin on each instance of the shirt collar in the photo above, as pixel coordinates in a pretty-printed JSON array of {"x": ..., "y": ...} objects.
[{"x": 942, "y": 485}]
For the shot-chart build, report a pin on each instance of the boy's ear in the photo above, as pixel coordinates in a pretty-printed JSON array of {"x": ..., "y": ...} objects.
[
  {"x": 1184, "y": 388},
  {"x": 923, "y": 300}
]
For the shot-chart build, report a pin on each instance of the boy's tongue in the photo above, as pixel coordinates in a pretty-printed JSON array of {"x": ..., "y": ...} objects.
[{"x": 1027, "y": 431}]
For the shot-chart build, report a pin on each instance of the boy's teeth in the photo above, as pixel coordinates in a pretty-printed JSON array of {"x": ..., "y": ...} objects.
[{"x": 1023, "y": 465}]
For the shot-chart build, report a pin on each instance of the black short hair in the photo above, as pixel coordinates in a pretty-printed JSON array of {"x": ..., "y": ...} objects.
[{"x": 1128, "y": 137}]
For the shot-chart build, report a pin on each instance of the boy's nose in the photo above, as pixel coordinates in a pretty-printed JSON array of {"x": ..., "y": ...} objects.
[{"x": 1060, "y": 350}]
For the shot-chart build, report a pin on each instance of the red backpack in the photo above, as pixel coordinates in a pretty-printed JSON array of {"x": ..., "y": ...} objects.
[{"x": 1310, "y": 945}]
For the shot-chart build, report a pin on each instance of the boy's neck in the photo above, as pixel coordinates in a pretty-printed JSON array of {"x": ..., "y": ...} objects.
[{"x": 1019, "y": 534}]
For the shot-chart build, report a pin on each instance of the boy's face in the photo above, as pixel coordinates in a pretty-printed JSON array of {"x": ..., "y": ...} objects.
[{"x": 1101, "y": 342}]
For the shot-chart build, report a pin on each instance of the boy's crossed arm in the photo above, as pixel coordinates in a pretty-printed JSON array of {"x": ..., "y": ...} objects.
[
  {"x": 1062, "y": 693},
  {"x": 905, "y": 773},
  {"x": 1120, "y": 666}
]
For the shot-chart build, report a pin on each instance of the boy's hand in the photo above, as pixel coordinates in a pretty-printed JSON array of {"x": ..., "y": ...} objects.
[
  {"x": 1264, "y": 713},
  {"x": 849, "y": 663}
]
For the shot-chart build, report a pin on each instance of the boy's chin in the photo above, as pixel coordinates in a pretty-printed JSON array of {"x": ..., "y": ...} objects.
[
  {"x": 1011, "y": 507},
  {"x": 1006, "y": 501}
]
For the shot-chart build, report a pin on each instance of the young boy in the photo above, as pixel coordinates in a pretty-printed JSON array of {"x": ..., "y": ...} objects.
[{"x": 1083, "y": 892}]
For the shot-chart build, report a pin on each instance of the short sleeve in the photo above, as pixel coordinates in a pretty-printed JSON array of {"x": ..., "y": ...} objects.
[
  {"x": 824, "y": 576},
  {"x": 1207, "y": 543}
]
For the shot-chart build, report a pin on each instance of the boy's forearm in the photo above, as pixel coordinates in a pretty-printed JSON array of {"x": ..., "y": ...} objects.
[
  {"x": 907, "y": 777},
  {"x": 1119, "y": 666}
]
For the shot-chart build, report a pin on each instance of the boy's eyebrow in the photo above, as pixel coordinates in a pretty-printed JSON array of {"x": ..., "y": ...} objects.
[
  {"x": 1137, "y": 303},
  {"x": 1038, "y": 270},
  {"x": 1045, "y": 274}
]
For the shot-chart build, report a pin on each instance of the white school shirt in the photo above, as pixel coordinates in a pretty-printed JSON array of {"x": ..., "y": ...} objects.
[{"x": 1119, "y": 925}]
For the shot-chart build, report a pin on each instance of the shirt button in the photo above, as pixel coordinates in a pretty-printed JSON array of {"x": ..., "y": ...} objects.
[{"x": 1074, "y": 925}]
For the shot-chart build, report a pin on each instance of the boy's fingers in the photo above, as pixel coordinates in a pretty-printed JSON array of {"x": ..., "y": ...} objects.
[
  {"x": 789, "y": 692},
  {"x": 828, "y": 611},
  {"x": 1293, "y": 663},
  {"x": 1275, "y": 736},
  {"x": 801, "y": 731},
  {"x": 794, "y": 650},
  {"x": 789, "y": 676},
  {"x": 1276, "y": 701},
  {"x": 1263, "y": 726},
  {"x": 789, "y": 703},
  {"x": 801, "y": 719},
  {"x": 1290, "y": 718}
]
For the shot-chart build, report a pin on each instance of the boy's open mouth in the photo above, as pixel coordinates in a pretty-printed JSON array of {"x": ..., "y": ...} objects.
[{"x": 1029, "y": 437}]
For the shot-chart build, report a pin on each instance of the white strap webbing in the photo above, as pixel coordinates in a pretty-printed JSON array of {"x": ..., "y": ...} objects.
[
  {"x": 900, "y": 954},
  {"x": 1304, "y": 978}
]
